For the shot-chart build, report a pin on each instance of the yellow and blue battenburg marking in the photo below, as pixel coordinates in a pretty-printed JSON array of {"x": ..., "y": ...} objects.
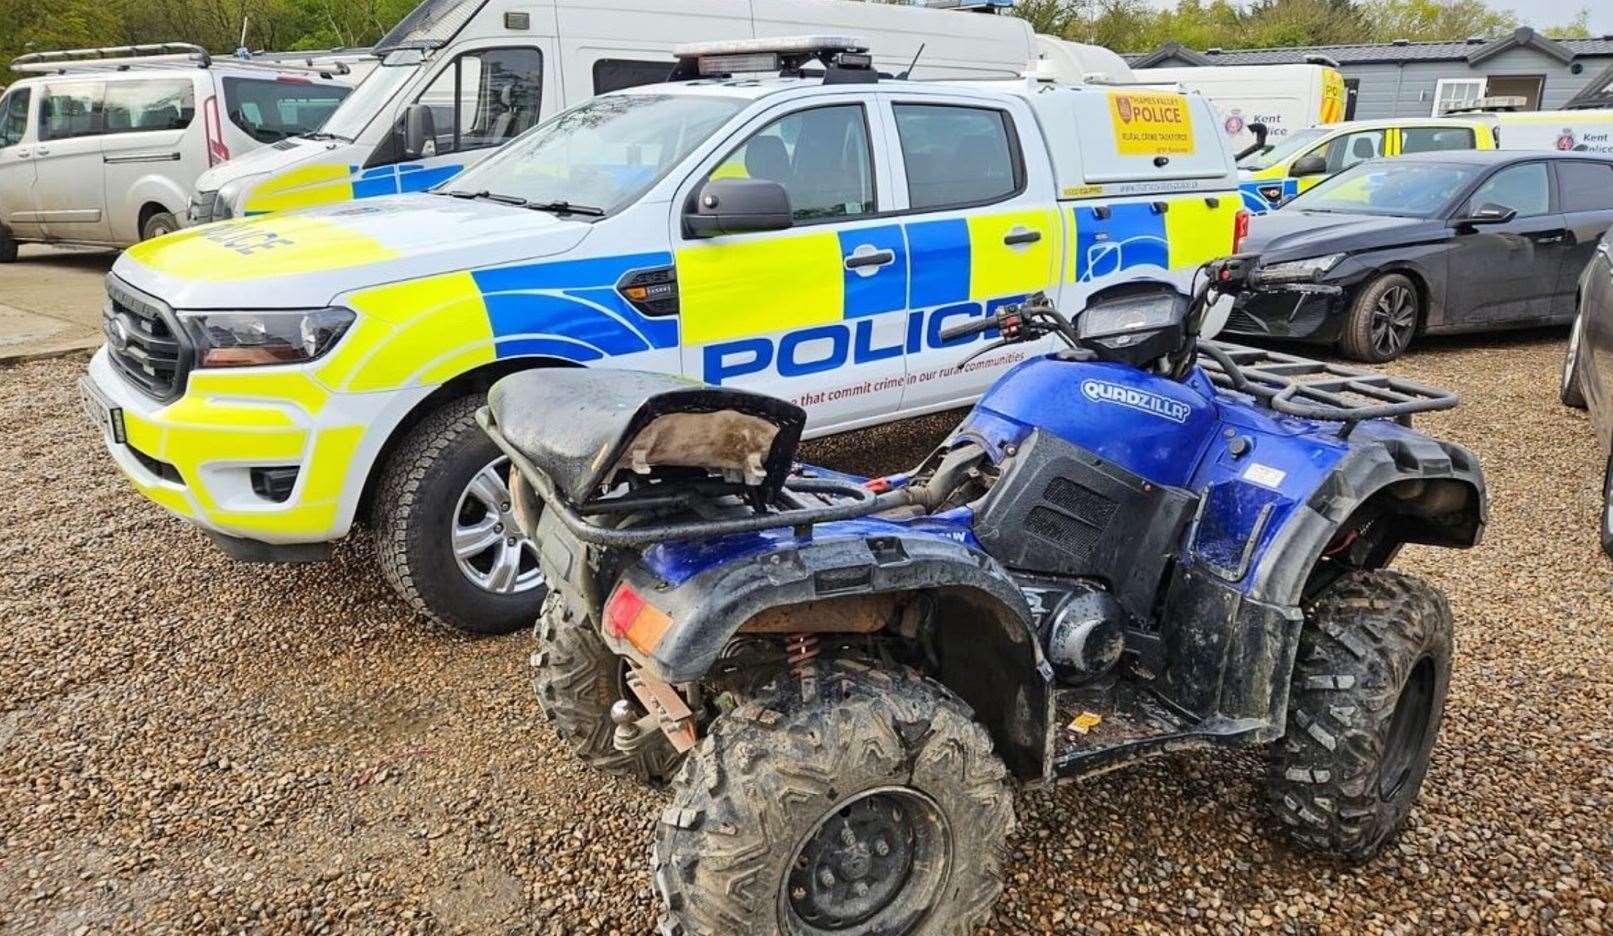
[
  {"x": 572, "y": 309},
  {"x": 326, "y": 184},
  {"x": 1173, "y": 235},
  {"x": 1254, "y": 197}
]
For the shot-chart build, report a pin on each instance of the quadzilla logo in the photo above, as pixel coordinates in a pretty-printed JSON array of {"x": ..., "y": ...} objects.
[{"x": 1102, "y": 391}]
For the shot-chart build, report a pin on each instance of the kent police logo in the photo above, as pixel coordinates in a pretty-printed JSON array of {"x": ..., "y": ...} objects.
[
  {"x": 1566, "y": 141},
  {"x": 1234, "y": 124},
  {"x": 1102, "y": 391}
]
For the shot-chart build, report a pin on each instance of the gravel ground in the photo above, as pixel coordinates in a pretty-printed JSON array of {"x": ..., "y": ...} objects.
[{"x": 189, "y": 744}]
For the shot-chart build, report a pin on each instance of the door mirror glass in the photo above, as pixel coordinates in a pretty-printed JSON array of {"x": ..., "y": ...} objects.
[
  {"x": 419, "y": 132},
  {"x": 737, "y": 206},
  {"x": 1311, "y": 165}
]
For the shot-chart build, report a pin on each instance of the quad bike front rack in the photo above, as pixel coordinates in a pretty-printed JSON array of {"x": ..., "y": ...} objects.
[{"x": 1318, "y": 390}]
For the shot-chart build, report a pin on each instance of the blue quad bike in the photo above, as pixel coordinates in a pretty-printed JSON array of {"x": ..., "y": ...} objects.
[{"x": 1139, "y": 544}]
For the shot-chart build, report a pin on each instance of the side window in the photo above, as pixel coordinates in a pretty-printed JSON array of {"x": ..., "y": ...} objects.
[
  {"x": 71, "y": 110},
  {"x": 134, "y": 106},
  {"x": 485, "y": 98},
  {"x": 956, "y": 155},
  {"x": 1524, "y": 188},
  {"x": 1353, "y": 148},
  {"x": 820, "y": 156},
  {"x": 616, "y": 74},
  {"x": 1585, "y": 186},
  {"x": 14, "y": 117},
  {"x": 1433, "y": 139}
]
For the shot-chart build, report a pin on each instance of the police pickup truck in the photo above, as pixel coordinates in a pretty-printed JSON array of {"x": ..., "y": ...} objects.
[{"x": 780, "y": 216}]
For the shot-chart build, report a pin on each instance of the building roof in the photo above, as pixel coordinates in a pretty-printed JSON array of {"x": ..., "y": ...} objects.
[{"x": 1474, "y": 51}]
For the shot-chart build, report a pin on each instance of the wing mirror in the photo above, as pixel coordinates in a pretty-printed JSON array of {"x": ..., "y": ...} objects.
[
  {"x": 737, "y": 206},
  {"x": 419, "y": 132},
  {"x": 1308, "y": 166},
  {"x": 1488, "y": 213}
]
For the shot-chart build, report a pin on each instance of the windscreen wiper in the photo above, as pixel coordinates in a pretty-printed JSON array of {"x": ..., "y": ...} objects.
[
  {"x": 485, "y": 195},
  {"x": 322, "y": 135},
  {"x": 565, "y": 207}
]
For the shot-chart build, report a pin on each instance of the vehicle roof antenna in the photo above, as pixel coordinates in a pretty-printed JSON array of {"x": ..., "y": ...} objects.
[{"x": 910, "y": 66}]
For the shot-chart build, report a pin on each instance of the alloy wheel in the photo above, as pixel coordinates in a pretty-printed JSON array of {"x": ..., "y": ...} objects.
[
  {"x": 1394, "y": 318},
  {"x": 488, "y": 544}
]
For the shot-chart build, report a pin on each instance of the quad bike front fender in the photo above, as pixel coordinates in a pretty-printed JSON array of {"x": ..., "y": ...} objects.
[{"x": 863, "y": 577}]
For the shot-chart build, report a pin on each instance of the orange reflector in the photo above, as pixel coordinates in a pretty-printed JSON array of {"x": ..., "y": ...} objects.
[
  {"x": 632, "y": 618},
  {"x": 636, "y": 293}
]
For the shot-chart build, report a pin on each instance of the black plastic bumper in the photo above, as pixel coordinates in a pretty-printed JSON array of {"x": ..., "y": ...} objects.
[
  {"x": 246, "y": 550},
  {"x": 1292, "y": 316}
]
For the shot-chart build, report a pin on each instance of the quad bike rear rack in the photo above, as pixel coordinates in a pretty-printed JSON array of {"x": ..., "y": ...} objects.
[
  {"x": 803, "y": 502},
  {"x": 1318, "y": 390}
]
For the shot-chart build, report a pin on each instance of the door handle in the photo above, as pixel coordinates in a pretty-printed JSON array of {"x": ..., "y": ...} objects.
[
  {"x": 1551, "y": 237},
  {"x": 877, "y": 258},
  {"x": 1020, "y": 236},
  {"x": 42, "y": 151},
  {"x": 22, "y": 154}
]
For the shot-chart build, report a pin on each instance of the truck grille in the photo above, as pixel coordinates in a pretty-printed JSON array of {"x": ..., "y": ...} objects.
[{"x": 145, "y": 341}]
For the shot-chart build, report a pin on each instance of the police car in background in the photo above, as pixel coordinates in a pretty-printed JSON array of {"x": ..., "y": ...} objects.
[{"x": 782, "y": 220}]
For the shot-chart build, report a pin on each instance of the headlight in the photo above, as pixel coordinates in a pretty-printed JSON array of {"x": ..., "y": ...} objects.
[
  {"x": 250, "y": 339},
  {"x": 1132, "y": 312},
  {"x": 231, "y": 192},
  {"x": 1300, "y": 271}
]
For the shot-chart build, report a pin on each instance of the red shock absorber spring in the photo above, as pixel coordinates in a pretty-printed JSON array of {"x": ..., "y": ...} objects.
[{"x": 800, "y": 650}]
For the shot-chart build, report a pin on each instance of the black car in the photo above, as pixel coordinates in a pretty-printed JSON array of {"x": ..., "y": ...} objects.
[
  {"x": 1431, "y": 243},
  {"x": 1588, "y": 366}
]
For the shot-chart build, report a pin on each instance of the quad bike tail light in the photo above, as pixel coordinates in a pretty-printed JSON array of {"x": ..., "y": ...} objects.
[{"x": 629, "y": 617}]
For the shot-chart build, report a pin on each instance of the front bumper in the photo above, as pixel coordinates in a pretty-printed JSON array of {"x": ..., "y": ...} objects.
[
  {"x": 196, "y": 455},
  {"x": 1296, "y": 316}
]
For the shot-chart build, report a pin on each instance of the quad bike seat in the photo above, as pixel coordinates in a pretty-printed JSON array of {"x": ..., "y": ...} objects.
[{"x": 585, "y": 428}]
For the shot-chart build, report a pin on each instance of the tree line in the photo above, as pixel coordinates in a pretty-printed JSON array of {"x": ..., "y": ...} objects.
[
  {"x": 1122, "y": 25},
  {"x": 1139, "y": 26}
]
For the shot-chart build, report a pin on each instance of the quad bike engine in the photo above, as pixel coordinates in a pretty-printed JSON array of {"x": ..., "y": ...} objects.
[{"x": 1084, "y": 636}]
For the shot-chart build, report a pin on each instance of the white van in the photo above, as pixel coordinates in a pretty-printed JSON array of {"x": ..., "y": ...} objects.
[
  {"x": 1285, "y": 98},
  {"x": 1582, "y": 131},
  {"x": 105, "y": 145},
  {"x": 475, "y": 73}
]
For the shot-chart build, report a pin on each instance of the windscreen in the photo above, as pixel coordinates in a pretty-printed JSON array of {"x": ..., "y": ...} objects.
[
  {"x": 1289, "y": 145},
  {"x": 602, "y": 153},
  {"x": 271, "y": 109},
  {"x": 1397, "y": 188},
  {"x": 368, "y": 99}
]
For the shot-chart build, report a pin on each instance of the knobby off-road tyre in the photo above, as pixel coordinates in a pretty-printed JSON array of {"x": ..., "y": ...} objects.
[
  {"x": 577, "y": 679},
  {"x": 420, "y": 491},
  {"x": 863, "y": 801},
  {"x": 1364, "y": 709},
  {"x": 1382, "y": 320},
  {"x": 1568, "y": 386}
]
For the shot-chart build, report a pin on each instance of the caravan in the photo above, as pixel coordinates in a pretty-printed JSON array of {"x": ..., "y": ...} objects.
[{"x": 466, "y": 76}]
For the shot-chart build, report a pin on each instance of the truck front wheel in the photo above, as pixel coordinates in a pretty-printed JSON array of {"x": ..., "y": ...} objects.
[
  {"x": 1364, "y": 707},
  {"x": 446, "y": 535},
  {"x": 870, "y": 802}
]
